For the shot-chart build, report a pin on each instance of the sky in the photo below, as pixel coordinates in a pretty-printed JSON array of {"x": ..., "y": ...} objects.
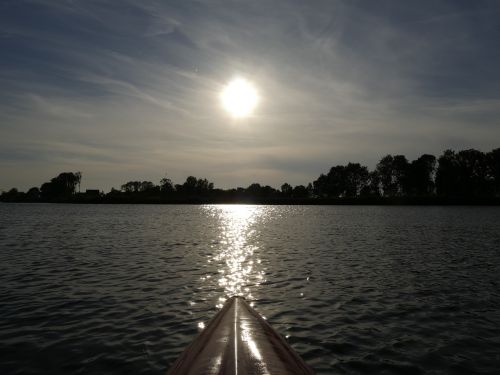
[{"x": 129, "y": 90}]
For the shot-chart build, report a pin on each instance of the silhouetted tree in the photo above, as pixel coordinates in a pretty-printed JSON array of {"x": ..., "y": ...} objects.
[
  {"x": 13, "y": 195},
  {"x": 131, "y": 187},
  {"x": 336, "y": 183},
  {"x": 401, "y": 171},
  {"x": 193, "y": 186},
  {"x": 342, "y": 181},
  {"x": 144, "y": 188},
  {"x": 393, "y": 174},
  {"x": 203, "y": 185},
  {"x": 148, "y": 187},
  {"x": 310, "y": 190},
  {"x": 319, "y": 186},
  {"x": 372, "y": 188},
  {"x": 447, "y": 179},
  {"x": 355, "y": 179},
  {"x": 255, "y": 190},
  {"x": 166, "y": 186},
  {"x": 463, "y": 174},
  {"x": 300, "y": 191},
  {"x": 420, "y": 177},
  {"x": 386, "y": 176},
  {"x": 33, "y": 194},
  {"x": 286, "y": 190},
  {"x": 189, "y": 186},
  {"x": 60, "y": 187},
  {"x": 473, "y": 169}
]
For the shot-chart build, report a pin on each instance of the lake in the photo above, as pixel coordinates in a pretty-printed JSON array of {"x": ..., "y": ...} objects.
[{"x": 92, "y": 289}]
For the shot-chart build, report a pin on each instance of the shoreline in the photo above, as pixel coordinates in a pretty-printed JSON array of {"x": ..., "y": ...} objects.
[{"x": 368, "y": 201}]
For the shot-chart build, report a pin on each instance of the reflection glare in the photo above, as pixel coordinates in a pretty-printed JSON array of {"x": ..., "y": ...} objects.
[
  {"x": 238, "y": 267},
  {"x": 246, "y": 338}
]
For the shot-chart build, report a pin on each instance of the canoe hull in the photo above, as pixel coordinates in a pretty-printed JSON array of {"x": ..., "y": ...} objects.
[{"x": 239, "y": 341}]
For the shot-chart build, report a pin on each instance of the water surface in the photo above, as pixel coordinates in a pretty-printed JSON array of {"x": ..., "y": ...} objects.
[{"x": 123, "y": 289}]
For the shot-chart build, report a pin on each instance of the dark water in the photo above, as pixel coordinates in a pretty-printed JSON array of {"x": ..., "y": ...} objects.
[{"x": 122, "y": 289}]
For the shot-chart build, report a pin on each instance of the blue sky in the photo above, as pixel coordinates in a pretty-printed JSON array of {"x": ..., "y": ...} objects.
[{"x": 128, "y": 90}]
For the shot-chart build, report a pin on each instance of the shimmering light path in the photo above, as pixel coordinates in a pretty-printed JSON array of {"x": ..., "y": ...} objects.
[{"x": 237, "y": 260}]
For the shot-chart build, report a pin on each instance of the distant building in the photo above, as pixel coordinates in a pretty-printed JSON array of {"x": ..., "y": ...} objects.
[{"x": 93, "y": 192}]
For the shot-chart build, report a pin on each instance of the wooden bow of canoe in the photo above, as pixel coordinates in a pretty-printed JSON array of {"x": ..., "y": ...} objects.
[{"x": 239, "y": 341}]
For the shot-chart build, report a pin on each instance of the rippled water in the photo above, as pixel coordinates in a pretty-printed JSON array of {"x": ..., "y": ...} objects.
[{"x": 123, "y": 289}]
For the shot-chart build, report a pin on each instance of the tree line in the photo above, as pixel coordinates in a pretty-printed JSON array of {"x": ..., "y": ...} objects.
[{"x": 467, "y": 175}]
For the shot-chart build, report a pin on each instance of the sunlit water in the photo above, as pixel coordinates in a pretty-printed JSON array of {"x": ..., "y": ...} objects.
[{"x": 123, "y": 289}]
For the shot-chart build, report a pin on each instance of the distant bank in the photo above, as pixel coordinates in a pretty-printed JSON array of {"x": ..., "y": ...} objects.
[
  {"x": 464, "y": 177},
  {"x": 382, "y": 201}
]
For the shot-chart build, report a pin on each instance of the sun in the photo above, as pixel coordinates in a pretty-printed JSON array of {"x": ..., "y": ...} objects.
[{"x": 239, "y": 98}]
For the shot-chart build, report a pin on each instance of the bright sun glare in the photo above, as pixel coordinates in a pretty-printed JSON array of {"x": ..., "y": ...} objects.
[{"x": 239, "y": 98}]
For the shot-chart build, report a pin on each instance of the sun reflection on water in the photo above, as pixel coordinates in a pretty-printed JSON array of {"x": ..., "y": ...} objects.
[{"x": 236, "y": 255}]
